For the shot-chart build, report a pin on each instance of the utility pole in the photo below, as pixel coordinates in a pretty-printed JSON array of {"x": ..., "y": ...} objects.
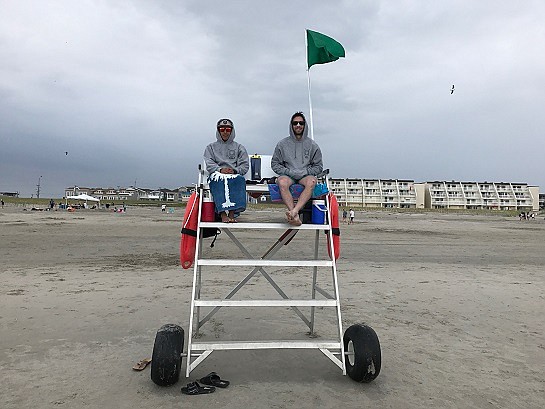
[{"x": 38, "y": 188}]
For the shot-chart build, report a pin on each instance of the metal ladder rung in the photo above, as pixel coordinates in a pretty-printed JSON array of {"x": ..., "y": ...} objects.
[
  {"x": 230, "y": 345},
  {"x": 263, "y": 263},
  {"x": 265, "y": 303},
  {"x": 284, "y": 226}
]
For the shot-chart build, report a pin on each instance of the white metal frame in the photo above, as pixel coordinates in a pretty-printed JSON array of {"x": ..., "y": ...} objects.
[{"x": 198, "y": 351}]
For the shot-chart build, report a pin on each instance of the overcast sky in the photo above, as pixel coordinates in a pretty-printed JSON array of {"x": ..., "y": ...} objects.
[{"x": 132, "y": 89}]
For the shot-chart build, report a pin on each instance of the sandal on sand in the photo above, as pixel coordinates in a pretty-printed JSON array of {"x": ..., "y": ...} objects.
[
  {"x": 141, "y": 365},
  {"x": 193, "y": 388},
  {"x": 214, "y": 379}
]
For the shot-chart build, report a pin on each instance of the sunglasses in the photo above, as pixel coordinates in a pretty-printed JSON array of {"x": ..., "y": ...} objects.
[
  {"x": 302, "y": 123},
  {"x": 225, "y": 129}
]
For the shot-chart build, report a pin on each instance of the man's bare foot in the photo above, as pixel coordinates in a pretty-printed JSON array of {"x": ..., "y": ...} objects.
[
  {"x": 224, "y": 217},
  {"x": 295, "y": 221},
  {"x": 289, "y": 216},
  {"x": 293, "y": 213}
]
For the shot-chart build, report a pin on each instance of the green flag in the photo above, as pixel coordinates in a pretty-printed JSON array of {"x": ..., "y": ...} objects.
[{"x": 322, "y": 49}]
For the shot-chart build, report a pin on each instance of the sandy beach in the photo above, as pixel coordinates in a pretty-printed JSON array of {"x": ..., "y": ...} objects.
[{"x": 457, "y": 301}]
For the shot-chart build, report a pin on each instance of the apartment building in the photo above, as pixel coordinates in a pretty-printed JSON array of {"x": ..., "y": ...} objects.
[
  {"x": 402, "y": 193},
  {"x": 389, "y": 193},
  {"x": 481, "y": 195}
]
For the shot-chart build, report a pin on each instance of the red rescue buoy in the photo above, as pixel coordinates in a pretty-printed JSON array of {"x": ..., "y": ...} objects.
[
  {"x": 334, "y": 212},
  {"x": 188, "y": 240}
]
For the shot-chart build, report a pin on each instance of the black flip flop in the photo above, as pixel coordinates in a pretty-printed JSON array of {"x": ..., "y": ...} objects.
[
  {"x": 214, "y": 379},
  {"x": 193, "y": 388}
]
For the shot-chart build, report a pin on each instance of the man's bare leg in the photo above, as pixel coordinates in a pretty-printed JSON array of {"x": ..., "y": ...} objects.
[
  {"x": 284, "y": 183},
  {"x": 308, "y": 182}
]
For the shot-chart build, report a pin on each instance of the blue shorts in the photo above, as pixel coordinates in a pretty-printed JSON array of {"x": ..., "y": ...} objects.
[{"x": 296, "y": 181}]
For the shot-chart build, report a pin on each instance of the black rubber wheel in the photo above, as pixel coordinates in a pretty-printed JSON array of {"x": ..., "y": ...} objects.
[
  {"x": 362, "y": 353},
  {"x": 166, "y": 360}
]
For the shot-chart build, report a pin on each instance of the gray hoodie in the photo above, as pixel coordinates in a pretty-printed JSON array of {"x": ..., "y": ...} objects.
[
  {"x": 297, "y": 158},
  {"x": 229, "y": 154}
]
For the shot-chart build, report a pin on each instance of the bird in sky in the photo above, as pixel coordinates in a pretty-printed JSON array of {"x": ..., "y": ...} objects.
[
  {"x": 452, "y": 90},
  {"x": 66, "y": 153}
]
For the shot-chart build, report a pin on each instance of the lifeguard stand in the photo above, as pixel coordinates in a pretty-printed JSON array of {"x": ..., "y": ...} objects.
[{"x": 357, "y": 352}]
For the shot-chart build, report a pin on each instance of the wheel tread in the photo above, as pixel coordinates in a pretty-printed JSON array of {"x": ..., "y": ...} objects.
[
  {"x": 367, "y": 355},
  {"x": 166, "y": 360}
]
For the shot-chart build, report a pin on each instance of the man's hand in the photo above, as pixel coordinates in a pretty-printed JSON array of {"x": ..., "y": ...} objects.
[{"x": 227, "y": 171}]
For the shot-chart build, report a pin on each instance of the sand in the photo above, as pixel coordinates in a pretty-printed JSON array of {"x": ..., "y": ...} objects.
[{"x": 457, "y": 301}]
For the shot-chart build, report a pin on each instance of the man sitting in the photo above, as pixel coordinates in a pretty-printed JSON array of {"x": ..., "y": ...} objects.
[{"x": 296, "y": 159}]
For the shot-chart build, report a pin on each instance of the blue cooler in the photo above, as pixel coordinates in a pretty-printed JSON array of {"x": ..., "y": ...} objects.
[{"x": 319, "y": 211}]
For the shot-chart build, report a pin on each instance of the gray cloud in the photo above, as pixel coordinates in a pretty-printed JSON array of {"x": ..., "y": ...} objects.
[{"x": 132, "y": 89}]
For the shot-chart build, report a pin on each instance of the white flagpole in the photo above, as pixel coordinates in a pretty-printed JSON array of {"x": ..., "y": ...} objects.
[{"x": 309, "y": 99}]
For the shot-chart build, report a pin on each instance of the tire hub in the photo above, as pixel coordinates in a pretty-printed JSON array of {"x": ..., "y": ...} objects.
[{"x": 350, "y": 353}]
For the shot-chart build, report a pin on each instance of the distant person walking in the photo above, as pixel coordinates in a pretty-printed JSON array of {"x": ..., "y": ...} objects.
[
  {"x": 163, "y": 207},
  {"x": 2, "y": 203},
  {"x": 345, "y": 213},
  {"x": 352, "y": 214}
]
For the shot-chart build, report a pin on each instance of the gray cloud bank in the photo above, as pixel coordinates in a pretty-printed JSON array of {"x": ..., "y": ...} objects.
[{"x": 132, "y": 89}]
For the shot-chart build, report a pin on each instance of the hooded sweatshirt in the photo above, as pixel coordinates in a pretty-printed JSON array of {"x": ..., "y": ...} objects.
[
  {"x": 226, "y": 154},
  {"x": 297, "y": 158}
]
